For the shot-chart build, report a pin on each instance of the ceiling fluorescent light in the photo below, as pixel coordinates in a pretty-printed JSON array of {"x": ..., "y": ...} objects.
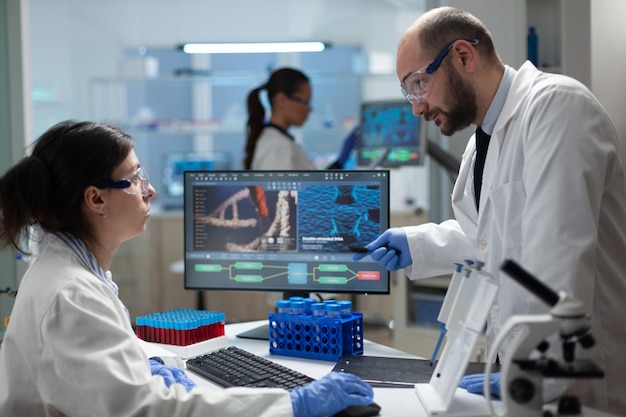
[{"x": 252, "y": 47}]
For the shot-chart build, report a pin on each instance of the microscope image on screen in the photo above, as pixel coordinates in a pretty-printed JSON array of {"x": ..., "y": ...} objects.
[
  {"x": 331, "y": 218},
  {"x": 245, "y": 219}
]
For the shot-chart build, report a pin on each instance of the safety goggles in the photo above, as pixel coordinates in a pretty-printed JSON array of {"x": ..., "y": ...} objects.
[
  {"x": 415, "y": 85},
  {"x": 306, "y": 103},
  {"x": 137, "y": 183}
]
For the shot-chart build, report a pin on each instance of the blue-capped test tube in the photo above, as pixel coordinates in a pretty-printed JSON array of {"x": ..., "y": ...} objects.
[
  {"x": 333, "y": 310},
  {"x": 318, "y": 309},
  {"x": 346, "y": 308},
  {"x": 297, "y": 307},
  {"x": 308, "y": 302},
  {"x": 283, "y": 306}
]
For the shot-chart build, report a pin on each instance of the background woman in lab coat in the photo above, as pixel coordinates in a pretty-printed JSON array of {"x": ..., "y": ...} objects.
[
  {"x": 269, "y": 144},
  {"x": 69, "y": 349},
  {"x": 553, "y": 187}
]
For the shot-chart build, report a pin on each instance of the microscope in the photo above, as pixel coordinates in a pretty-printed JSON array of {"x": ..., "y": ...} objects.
[{"x": 527, "y": 363}]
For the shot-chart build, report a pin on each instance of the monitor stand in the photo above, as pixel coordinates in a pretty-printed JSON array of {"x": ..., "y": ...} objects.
[{"x": 263, "y": 332}]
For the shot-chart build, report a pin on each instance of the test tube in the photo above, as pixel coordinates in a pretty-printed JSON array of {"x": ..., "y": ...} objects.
[
  {"x": 318, "y": 309},
  {"x": 297, "y": 307},
  {"x": 283, "y": 307},
  {"x": 308, "y": 302},
  {"x": 333, "y": 310},
  {"x": 346, "y": 308}
]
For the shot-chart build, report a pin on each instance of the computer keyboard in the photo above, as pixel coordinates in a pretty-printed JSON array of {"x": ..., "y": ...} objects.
[{"x": 235, "y": 367}]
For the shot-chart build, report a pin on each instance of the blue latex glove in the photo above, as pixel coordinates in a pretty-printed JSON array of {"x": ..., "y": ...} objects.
[
  {"x": 330, "y": 394},
  {"x": 348, "y": 145},
  {"x": 390, "y": 249},
  {"x": 476, "y": 384},
  {"x": 171, "y": 374}
]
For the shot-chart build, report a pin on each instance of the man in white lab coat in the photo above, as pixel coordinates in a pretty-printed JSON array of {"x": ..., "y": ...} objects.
[{"x": 553, "y": 189}]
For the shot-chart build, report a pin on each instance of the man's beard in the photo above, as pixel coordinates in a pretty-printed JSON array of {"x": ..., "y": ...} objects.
[{"x": 461, "y": 100}]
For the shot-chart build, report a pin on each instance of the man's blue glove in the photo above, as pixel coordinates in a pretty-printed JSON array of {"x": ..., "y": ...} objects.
[
  {"x": 330, "y": 394},
  {"x": 390, "y": 249},
  {"x": 476, "y": 384},
  {"x": 171, "y": 374},
  {"x": 348, "y": 145}
]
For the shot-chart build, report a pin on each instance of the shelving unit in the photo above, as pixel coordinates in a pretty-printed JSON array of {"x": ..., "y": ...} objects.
[{"x": 564, "y": 30}]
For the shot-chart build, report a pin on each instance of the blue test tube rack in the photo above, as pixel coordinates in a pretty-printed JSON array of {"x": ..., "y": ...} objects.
[{"x": 322, "y": 338}]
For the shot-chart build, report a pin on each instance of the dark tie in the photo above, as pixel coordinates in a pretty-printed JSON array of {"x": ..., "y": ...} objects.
[{"x": 482, "y": 144}]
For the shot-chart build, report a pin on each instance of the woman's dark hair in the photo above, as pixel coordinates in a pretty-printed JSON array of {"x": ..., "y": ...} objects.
[
  {"x": 46, "y": 188},
  {"x": 284, "y": 80}
]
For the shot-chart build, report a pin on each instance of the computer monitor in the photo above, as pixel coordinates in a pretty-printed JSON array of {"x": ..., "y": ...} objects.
[
  {"x": 390, "y": 135},
  {"x": 289, "y": 231}
]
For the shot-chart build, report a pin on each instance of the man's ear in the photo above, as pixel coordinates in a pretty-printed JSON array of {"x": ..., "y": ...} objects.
[
  {"x": 467, "y": 54},
  {"x": 94, "y": 200}
]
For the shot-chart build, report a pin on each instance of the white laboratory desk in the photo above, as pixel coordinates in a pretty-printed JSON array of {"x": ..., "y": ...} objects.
[{"x": 396, "y": 402}]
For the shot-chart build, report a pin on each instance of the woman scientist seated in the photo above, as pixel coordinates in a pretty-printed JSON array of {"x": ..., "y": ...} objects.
[{"x": 69, "y": 349}]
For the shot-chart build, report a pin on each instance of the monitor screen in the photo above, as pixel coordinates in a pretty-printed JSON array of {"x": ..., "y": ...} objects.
[
  {"x": 390, "y": 135},
  {"x": 289, "y": 231}
]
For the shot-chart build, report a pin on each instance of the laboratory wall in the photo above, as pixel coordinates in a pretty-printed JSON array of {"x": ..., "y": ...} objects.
[
  {"x": 15, "y": 121},
  {"x": 608, "y": 59},
  {"x": 76, "y": 42},
  {"x": 6, "y": 277}
]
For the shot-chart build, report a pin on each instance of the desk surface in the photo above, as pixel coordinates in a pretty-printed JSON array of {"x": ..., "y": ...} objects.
[{"x": 396, "y": 402}]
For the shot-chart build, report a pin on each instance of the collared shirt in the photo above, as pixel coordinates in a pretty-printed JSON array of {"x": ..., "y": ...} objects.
[
  {"x": 495, "y": 108},
  {"x": 285, "y": 132},
  {"x": 83, "y": 253}
]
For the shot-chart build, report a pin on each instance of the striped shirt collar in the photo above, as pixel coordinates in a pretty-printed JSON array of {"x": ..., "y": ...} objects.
[
  {"x": 83, "y": 253},
  {"x": 90, "y": 262}
]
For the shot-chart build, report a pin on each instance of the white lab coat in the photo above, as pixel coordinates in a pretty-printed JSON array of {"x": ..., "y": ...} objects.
[
  {"x": 553, "y": 199},
  {"x": 69, "y": 350},
  {"x": 275, "y": 150}
]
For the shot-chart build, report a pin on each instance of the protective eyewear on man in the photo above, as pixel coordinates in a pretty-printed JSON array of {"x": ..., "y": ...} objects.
[
  {"x": 137, "y": 183},
  {"x": 415, "y": 85}
]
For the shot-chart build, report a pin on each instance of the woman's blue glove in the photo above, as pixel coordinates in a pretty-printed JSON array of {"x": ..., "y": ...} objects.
[
  {"x": 171, "y": 374},
  {"x": 330, "y": 394},
  {"x": 476, "y": 384},
  {"x": 390, "y": 249}
]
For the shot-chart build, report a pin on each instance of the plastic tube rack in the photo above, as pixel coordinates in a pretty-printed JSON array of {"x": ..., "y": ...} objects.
[{"x": 323, "y": 338}]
